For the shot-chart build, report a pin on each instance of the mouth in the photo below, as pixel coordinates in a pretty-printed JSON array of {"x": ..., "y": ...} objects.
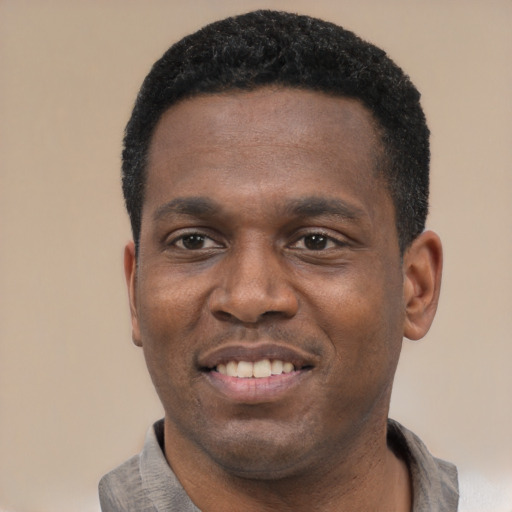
[
  {"x": 261, "y": 369},
  {"x": 256, "y": 361},
  {"x": 256, "y": 373}
]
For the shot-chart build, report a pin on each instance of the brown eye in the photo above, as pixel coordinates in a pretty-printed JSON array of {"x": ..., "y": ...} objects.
[
  {"x": 192, "y": 242},
  {"x": 195, "y": 242},
  {"x": 315, "y": 242}
]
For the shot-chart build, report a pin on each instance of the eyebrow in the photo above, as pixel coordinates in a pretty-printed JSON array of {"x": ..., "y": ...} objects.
[
  {"x": 192, "y": 206},
  {"x": 310, "y": 206},
  {"x": 314, "y": 206}
]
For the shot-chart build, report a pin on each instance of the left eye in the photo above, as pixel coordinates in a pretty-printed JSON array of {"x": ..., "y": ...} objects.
[
  {"x": 195, "y": 241},
  {"x": 316, "y": 242}
]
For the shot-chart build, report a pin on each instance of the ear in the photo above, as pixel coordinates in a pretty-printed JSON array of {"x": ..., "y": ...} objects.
[
  {"x": 130, "y": 272},
  {"x": 422, "y": 267}
]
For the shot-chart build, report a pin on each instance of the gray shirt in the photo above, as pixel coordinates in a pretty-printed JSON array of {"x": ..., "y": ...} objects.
[{"x": 146, "y": 483}]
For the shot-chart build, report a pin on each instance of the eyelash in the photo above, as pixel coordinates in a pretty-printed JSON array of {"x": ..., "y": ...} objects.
[
  {"x": 178, "y": 241},
  {"x": 330, "y": 242}
]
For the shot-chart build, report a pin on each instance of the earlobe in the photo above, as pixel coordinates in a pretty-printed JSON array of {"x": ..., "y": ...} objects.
[
  {"x": 422, "y": 266},
  {"x": 130, "y": 272}
]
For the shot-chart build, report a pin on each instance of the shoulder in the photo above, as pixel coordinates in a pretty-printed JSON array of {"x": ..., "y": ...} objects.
[
  {"x": 125, "y": 488},
  {"x": 122, "y": 490},
  {"x": 434, "y": 481},
  {"x": 485, "y": 491},
  {"x": 146, "y": 482}
]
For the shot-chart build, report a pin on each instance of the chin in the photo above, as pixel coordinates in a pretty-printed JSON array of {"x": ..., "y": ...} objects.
[{"x": 261, "y": 452}]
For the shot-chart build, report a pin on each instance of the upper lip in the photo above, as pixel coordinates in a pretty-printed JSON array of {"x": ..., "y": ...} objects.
[{"x": 256, "y": 352}]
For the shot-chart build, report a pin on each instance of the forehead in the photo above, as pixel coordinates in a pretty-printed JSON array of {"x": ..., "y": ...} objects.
[
  {"x": 263, "y": 113},
  {"x": 302, "y": 141}
]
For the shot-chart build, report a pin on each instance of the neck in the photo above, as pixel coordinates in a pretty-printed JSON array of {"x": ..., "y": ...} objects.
[{"x": 367, "y": 476}]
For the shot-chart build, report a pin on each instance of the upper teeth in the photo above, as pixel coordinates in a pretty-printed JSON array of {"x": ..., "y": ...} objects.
[{"x": 259, "y": 369}]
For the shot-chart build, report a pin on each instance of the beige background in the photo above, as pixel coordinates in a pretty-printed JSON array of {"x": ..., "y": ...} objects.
[{"x": 74, "y": 396}]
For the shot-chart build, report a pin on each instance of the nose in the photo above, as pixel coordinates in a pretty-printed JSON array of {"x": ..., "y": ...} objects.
[{"x": 253, "y": 285}]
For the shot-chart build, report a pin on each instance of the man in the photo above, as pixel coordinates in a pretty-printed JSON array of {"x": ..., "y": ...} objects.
[{"x": 275, "y": 170}]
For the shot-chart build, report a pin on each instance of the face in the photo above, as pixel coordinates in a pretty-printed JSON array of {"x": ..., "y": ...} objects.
[{"x": 268, "y": 291}]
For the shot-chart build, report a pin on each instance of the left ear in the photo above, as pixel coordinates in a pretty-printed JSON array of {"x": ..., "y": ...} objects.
[{"x": 422, "y": 267}]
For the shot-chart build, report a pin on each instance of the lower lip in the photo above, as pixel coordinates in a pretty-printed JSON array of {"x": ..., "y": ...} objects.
[{"x": 254, "y": 391}]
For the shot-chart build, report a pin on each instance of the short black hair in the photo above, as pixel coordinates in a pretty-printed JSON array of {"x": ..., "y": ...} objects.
[{"x": 279, "y": 48}]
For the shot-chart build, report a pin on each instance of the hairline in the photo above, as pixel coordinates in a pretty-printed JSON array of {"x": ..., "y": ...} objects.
[
  {"x": 350, "y": 67},
  {"x": 379, "y": 149}
]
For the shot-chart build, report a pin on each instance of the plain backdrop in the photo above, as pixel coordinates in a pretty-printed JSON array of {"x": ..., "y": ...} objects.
[{"x": 75, "y": 398}]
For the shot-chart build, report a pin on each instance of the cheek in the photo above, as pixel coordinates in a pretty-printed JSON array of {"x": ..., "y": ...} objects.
[
  {"x": 363, "y": 317},
  {"x": 168, "y": 313},
  {"x": 166, "y": 303}
]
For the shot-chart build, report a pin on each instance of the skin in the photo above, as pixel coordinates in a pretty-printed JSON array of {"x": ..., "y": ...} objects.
[{"x": 266, "y": 231}]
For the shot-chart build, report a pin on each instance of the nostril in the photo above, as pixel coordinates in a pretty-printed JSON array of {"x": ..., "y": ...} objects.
[
  {"x": 251, "y": 301},
  {"x": 223, "y": 315},
  {"x": 272, "y": 313}
]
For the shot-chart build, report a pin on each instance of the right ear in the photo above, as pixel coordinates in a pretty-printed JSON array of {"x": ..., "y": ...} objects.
[{"x": 130, "y": 273}]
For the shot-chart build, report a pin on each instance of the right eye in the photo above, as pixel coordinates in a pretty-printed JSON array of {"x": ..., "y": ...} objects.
[{"x": 195, "y": 241}]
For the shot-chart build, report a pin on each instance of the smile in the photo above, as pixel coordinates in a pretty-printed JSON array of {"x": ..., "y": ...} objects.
[
  {"x": 256, "y": 373},
  {"x": 257, "y": 370}
]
